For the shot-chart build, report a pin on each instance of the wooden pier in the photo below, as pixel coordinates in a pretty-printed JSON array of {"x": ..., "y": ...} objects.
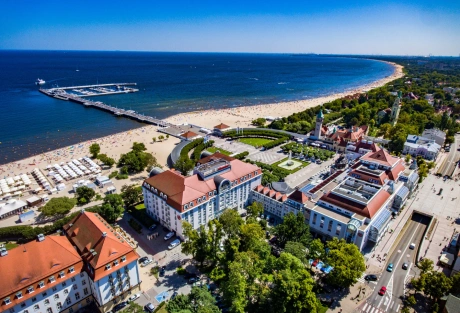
[{"x": 61, "y": 94}]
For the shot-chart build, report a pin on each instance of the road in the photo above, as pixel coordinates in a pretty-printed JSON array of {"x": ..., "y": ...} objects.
[
  {"x": 449, "y": 164},
  {"x": 396, "y": 280}
]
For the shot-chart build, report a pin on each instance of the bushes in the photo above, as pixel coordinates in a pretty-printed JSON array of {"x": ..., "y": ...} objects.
[
  {"x": 159, "y": 307},
  {"x": 181, "y": 271},
  {"x": 135, "y": 225},
  {"x": 241, "y": 156},
  {"x": 113, "y": 174},
  {"x": 198, "y": 149},
  {"x": 262, "y": 133},
  {"x": 185, "y": 150}
]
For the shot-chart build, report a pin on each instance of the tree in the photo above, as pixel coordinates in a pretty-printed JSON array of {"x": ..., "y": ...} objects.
[
  {"x": 293, "y": 228},
  {"x": 437, "y": 284},
  {"x": 58, "y": 206},
  {"x": 455, "y": 285},
  {"x": 106, "y": 160},
  {"x": 84, "y": 195},
  {"x": 133, "y": 307},
  {"x": 250, "y": 234},
  {"x": 347, "y": 261},
  {"x": 138, "y": 147},
  {"x": 199, "y": 300},
  {"x": 184, "y": 165},
  {"x": 112, "y": 208},
  {"x": 316, "y": 249},
  {"x": 154, "y": 139},
  {"x": 259, "y": 122},
  {"x": 215, "y": 234},
  {"x": 137, "y": 160},
  {"x": 296, "y": 249},
  {"x": 425, "y": 265},
  {"x": 167, "y": 136},
  {"x": 231, "y": 222},
  {"x": 196, "y": 243},
  {"x": 255, "y": 209},
  {"x": 418, "y": 284},
  {"x": 161, "y": 137},
  {"x": 131, "y": 194},
  {"x": 94, "y": 150},
  {"x": 293, "y": 287},
  {"x": 411, "y": 300},
  {"x": 408, "y": 158}
]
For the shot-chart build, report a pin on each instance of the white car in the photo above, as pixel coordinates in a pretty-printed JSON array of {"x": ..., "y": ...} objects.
[
  {"x": 146, "y": 262},
  {"x": 174, "y": 244},
  {"x": 412, "y": 246},
  {"x": 169, "y": 235},
  {"x": 134, "y": 297}
]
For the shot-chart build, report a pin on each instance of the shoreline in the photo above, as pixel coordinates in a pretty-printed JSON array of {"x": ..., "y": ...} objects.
[{"x": 114, "y": 145}]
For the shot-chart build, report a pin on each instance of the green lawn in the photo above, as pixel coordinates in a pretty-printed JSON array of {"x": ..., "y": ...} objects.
[
  {"x": 139, "y": 212},
  {"x": 256, "y": 142},
  {"x": 214, "y": 149},
  {"x": 9, "y": 245}
]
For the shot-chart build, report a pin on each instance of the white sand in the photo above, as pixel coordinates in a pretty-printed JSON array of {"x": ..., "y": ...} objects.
[{"x": 116, "y": 144}]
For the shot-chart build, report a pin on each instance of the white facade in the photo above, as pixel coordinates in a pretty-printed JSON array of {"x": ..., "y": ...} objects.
[
  {"x": 420, "y": 146},
  {"x": 63, "y": 296},
  {"x": 235, "y": 197},
  {"x": 435, "y": 134}
]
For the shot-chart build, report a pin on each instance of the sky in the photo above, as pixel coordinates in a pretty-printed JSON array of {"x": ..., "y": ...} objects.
[{"x": 405, "y": 27}]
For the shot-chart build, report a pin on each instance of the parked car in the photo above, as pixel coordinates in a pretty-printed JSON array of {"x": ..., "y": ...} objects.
[
  {"x": 405, "y": 266},
  {"x": 153, "y": 227},
  {"x": 169, "y": 235},
  {"x": 162, "y": 271},
  {"x": 382, "y": 290},
  {"x": 174, "y": 244},
  {"x": 412, "y": 246},
  {"x": 390, "y": 267},
  {"x": 119, "y": 306},
  {"x": 370, "y": 277},
  {"x": 134, "y": 297},
  {"x": 192, "y": 280},
  {"x": 141, "y": 260},
  {"x": 174, "y": 295},
  {"x": 149, "y": 307},
  {"x": 146, "y": 262}
]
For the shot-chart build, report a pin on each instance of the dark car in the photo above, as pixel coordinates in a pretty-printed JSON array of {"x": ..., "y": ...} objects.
[
  {"x": 244, "y": 214},
  {"x": 405, "y": 266},
  {"x": 153, "y": 227},
  {"x": 370, "y": 277},
  {"x": 174, "y": 295},
  {"x": 192, "y": 280},
  {"x": 162, "y": 271},
  {"x": 119, "y": 306},
  {"x": 144, "y": 258},
  {"x": 149, "y": 307}
]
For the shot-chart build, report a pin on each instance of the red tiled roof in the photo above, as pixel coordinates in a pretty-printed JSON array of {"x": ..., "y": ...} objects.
[
  {"x": 33, "y": 262},
  {"x": 86, "y": 232},
  {"x": 221, "y": 126},
  {"x": 393, "y": 174},
  {"x": 381, "y": 156},
  {"x": 298, "y": 196},
  {"x": 355, "y": 135},
  {"x": 189, "y": 134},
  {"x": 368, "y": 211}
]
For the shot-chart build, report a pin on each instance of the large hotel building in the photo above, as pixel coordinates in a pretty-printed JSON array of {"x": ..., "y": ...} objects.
[
  {"x": 89, "y": 263},
  {"x": 219, "y": 182}
]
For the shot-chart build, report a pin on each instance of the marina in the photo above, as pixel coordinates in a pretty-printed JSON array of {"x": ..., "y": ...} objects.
[{"x": 77, "y": 94}]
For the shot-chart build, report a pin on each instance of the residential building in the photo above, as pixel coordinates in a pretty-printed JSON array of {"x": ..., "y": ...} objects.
[
  {"x": 435, "y": 134},
  {"x": 339, "y": 138},
  {"x": 219, "y": 182},
  {"x": 421, "y": 146},
  {"x": 356, "y": 149},
  {"x": 109, "y": 261},
  {"x": 44, "y": 275},
  {"x": 430, "y": 98}
]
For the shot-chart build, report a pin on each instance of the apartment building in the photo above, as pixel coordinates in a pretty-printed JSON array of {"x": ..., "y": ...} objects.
[
  {"x": 109, "y": 261},
  {"x": 44, "y": 275},
  {"x": 219, "y": 182}
]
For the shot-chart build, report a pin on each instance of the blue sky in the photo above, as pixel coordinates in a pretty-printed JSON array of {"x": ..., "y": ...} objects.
[{"x": 403, "y": 27}]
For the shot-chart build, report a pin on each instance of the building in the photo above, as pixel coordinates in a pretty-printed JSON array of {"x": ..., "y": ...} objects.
[
  {"x": 357, "y": 205},
  {"x": 356, "y": 149},
  {"x": 189, "y": 135},
  {"x": 319, "y": 125},
  {"x": 435, "y": 134},
  {"x": 451, "y": 305},
  {"x": 45, "y": 275},
  {"x": 420, "y": 146},
  {"x": 396, "y": 109},
  {"x": 220, "y": 129},
  {"x": 110, "y": 263},
  {"x": 219, "y": 182},
  {"x": 12, "y": 207}
]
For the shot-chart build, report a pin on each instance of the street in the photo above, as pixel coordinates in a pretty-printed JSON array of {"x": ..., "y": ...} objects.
[
  {"x": 450, "y": 162},
  {"x": 396, "y": 281}
]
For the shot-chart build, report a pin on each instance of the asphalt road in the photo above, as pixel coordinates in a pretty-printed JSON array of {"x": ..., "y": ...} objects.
[
  {"x": 396, "y": 280},
  {"x": 449, "y": 164}
]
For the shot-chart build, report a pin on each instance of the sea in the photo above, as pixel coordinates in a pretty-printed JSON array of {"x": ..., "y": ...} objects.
[{"x": 168, "y": 83}]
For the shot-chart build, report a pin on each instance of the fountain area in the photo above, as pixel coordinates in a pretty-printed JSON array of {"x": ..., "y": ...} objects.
[{"x": 290, "y": 164}]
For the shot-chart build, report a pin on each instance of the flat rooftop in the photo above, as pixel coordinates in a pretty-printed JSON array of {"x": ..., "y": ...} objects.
[
  {"x": 332, "y": 214},
  {"x": 356, "y": 190}
]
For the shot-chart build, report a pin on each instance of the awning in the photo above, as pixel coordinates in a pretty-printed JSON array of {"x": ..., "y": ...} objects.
[{"x": 447, "y": 258}]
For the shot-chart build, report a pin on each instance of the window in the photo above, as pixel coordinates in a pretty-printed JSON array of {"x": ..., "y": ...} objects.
[
  {"x": 82, "y": 274},
  {"x": 7, "y": 300},
  {"x": 58, "y": 305},
  {"x": 61, "y": 274},
  {"x": 199, "y": 200},
  {"x": 23, "y": 305},
  {"x": 26, "y": 311},
  {"x": 186, "y": 206},
  {"x": 52, "y": 279},
  {"x": 70, "y": 310},
  {"x": 77, "y": 296},
  {"x": 47, "y": 302},
  {"x": 30, "y": 289},
  {"x": 123, "y": 259},
  {"x": 73, "y": 279},
  {"x": 88, "y": 300},
  {"x": 329, "y": 227},
  {"x": 56, "y": 296},
  {"x": 49, "y": 310},
  {"x": 66, "y": 291},
  {"x": 107, "y": 267},
  {"x": 54, "y": 288},
  {"x": 115, "y": 263},
  {"x": 44, "y": 294},
  {"x": 85, "y": 291},
  {"x": 72, "y": 269},
  {"x": 314, "y": 219},
  {"x": 36, "y": 307},
  {"x": 19, "y": 295},
  {"x": 204, "y": 198},
  {"x": 75, "y": 287},
  {"x": 68, "y": 301},
  {"x": 64, "y": 284},
  {"x": 83, "y": 282},
  {"x": 190, "y": 204}
]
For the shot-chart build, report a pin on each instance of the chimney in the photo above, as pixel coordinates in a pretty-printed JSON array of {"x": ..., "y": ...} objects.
[{"x": 104, "y": 234}]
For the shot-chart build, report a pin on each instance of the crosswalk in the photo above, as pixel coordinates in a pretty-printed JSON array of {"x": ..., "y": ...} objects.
[{"x": 369, "y": 308}]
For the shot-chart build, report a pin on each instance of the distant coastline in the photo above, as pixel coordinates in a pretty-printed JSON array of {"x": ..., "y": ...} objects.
[{"x": 118, "y": 143}]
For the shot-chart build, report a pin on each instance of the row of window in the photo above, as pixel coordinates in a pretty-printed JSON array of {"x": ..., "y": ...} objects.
[
  {"x": 329, "y": 227},
  {"x": 115, "y": 263}
]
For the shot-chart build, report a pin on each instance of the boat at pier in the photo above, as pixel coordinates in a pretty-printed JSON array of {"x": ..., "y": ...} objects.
[{"x": 40, "y": 82}]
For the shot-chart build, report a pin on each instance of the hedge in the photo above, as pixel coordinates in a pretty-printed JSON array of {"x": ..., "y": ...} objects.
[
  {"x": 198, "y": 149},
  {"x": 263, "y": 133},
  {"x": 162, "y": 304},
  {"x": 241, "y": 156},
  {"x": 185, "y": 150}
]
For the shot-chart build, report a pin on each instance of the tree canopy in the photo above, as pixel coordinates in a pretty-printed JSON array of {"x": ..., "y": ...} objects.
[
  {"x": 94, "y": 150},
  {"x": 137, "y": 159},
  {"x": 58, "y": 206},
  {"x": 293, "y": 228},
  {"x": 199, "y": 300},
  {"x": 84, "y": 195},
  {"x": 131, "y": 194},
  {"x": 184, "y": 165},
  {"x": 112, "y": 208}
]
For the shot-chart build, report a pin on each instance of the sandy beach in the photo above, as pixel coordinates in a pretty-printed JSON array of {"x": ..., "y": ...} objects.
[{"x": 119, "y": 143}]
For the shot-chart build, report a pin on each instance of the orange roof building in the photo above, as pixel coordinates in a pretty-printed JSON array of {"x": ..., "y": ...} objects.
[
  {"x": 218, "y": 182},
  {"x": 44, "y": 275},
  {"x": 189, "y": 135},
  {"x": 221, "y": 127},
  {"x": 111, "y": 263}
]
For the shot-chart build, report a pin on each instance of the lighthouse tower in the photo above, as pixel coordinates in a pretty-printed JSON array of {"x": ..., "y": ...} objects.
[
  {"x": 319, "y": 124},
  {"x": 395, "y": 109}
]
